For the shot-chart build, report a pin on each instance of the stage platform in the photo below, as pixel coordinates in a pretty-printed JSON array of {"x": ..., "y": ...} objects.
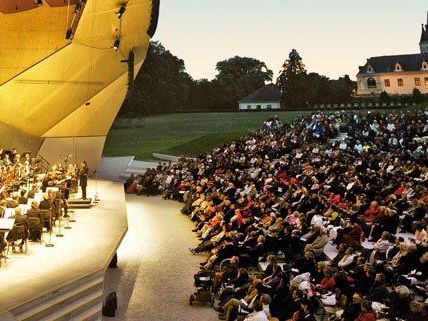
[{"x": 65, "y": 282}]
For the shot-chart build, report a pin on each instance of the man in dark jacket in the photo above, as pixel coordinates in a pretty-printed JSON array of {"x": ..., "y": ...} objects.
[
  {"x": 83, "y": 178},
  {"x": 378, "y": 292}
]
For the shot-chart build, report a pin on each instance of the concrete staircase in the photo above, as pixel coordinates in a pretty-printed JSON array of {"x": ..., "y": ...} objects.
[
  {"x": 138, "y": 168},
  {"x": 78, "y": 301}
]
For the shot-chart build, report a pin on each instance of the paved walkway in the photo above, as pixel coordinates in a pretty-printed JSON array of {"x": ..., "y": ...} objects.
[{"x": 155, "y": 275}]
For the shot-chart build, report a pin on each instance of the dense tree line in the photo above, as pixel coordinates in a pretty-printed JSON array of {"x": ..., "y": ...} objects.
[
  {"x": 300, "y": 88},
  {"x": 164, "y": 86}
]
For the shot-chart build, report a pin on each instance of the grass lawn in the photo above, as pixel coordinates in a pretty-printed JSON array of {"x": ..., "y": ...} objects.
[
  {"x": 182, "y": 134},
  {"x": 188, "y": 134}
]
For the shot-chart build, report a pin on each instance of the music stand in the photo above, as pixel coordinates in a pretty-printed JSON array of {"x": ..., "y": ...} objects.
[
  {"x": 96, "y": 199},
  {"x": 67, "y": 225},
  {"x": 59, "y": 234},
  {"x": 50, "y": 244},
  {"x": 71, "y": 218}
]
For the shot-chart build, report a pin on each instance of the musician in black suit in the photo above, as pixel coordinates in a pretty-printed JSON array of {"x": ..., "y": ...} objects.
[
  {"x": 19, "y": 217},
  {"x": 83, "y": 177},
  {"x": 45, "y": 204},
  {"x": 34, "y": 210},
  {"x": 23, "y": 199}
]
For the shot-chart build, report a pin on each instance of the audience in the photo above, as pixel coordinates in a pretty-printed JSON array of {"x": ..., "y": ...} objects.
[{"x": 345, "y": 216}]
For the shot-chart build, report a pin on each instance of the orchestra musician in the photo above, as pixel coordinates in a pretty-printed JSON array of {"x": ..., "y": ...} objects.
[
  {"x": 20, "y": 173},
  {"x": 83, "y": 177}
]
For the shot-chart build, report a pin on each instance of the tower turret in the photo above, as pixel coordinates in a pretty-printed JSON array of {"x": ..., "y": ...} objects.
[{"x": 423, "y": 44}]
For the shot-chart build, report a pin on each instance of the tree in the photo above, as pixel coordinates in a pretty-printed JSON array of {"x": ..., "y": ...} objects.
[
  {"x": 238, "y": 77},
  {"x": 291, "y": 80},
  {"x": 161, "y": 86},
  {"x": 384, "y": 97},
  {"x": 417, "y": 96},
  {"x": 293, "y": 66},
  {"x": 205, "y": 95}
]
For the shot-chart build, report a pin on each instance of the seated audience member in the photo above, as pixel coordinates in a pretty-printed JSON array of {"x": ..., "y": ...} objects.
[
  {"x": 378, "y": 291},
  {"x": 399, "y": 303},
  {"x": 367, "y": 313},
  {"x": 353, "y": 308},
  {"x": 258, "y": 314}
]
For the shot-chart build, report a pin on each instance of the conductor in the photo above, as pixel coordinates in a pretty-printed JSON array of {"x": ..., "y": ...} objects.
[{"x": 83, "y": 177}]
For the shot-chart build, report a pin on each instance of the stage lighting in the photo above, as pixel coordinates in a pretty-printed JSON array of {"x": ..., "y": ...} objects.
[
  {"x": 121, "y": 11},
  {"x": 116, "y": 44},
  {"x": 77, "y": 7},
  {"x": 69, "y": 34}
]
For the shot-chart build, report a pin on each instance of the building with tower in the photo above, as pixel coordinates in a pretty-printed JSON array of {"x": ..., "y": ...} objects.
[{"x": 396, "y": 75}]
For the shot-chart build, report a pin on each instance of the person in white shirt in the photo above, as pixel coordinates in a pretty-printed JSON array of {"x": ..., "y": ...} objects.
[
  {"x": 258, "y": 314},
  {"x": 383, "y": 244},
  {"x": 347, "y": 259},
  {"x": 265, "y": 299}
]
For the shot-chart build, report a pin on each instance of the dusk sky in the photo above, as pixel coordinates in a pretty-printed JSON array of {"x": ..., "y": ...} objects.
[{"x": 333, "y": 37}]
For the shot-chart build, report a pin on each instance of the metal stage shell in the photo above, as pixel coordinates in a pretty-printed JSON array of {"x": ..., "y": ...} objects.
[{"x": 59, "y": 96}]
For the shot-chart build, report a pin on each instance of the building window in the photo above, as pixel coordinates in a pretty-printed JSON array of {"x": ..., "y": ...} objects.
[
  {"x": 417, "y": 82},
  {"x": 400, "y": 82},
  {"x": 259, "y": 106},
  {"x": 248, "y": 106},
  {"x": 269, "y": 106},
  {"x": 387, "y": 83},
  {"x": 397, "y": 67},
  {"x": 371, "y": 83},
  {"x": 426, "y": 81},
  {"x": 424, "y": 66}
]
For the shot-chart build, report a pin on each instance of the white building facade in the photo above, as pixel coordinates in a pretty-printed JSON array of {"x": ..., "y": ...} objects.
[
  {"x": 265, "y": 98},
  {"x": 260, "y": 106},
  {"x": 396, "y": 75}
]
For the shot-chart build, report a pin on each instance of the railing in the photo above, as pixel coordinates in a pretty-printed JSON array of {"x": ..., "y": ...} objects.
[{"x": 377, "y": 105}]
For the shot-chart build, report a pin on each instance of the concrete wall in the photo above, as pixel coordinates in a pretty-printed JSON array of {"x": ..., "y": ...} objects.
[
  {"x": 260, "y": 106},
  {"x": 54, "y": 150}
]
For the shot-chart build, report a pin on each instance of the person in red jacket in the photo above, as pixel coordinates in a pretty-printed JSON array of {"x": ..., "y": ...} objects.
[
  {"x": 367, "y": 313},
  {"x": 328, "y": 282}
]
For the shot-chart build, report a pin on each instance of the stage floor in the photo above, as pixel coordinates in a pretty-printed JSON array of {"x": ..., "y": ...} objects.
[
  {"x": 84, "y": 249},
  {"x": 154, "y": 278}
]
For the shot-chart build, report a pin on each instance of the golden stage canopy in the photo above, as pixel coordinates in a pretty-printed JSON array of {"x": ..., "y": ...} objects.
[{"x": 60, "y": 96}]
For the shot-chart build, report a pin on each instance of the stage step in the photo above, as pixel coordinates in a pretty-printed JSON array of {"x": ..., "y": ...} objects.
[
  {"x": 80, "y": 206},
  {"x": 93, "y": 314},
  {"x": 70, "y": 311},
  {"x": 81, "y": 298},
  {"x": 79, "y": 201}
]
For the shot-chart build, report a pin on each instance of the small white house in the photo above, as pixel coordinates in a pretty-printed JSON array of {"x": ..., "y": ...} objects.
[{"x": 265, "y": 98}]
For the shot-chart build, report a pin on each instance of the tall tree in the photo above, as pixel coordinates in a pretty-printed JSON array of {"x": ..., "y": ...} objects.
[
  {"x": 291, "y": 80},
  {"x": 161, "y": 86},
  {"x": 238, "y": 77}
]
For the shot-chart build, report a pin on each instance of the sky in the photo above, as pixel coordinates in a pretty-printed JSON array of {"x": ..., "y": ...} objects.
[{"x": 333, "y": 37}]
